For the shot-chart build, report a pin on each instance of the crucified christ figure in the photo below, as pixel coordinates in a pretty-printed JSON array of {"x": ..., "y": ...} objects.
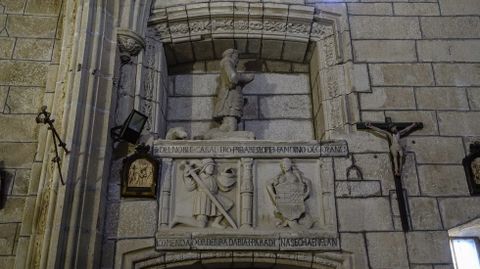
[{"x": 396, "y": 150}]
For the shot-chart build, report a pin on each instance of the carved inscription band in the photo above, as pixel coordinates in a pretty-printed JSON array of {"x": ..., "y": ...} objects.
[
  {"x": 250, "y": 149},
  {"x": 247, "y": 243}
]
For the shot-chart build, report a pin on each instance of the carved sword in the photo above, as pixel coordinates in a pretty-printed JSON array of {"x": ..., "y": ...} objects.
[{"x": 212, "y": 197}]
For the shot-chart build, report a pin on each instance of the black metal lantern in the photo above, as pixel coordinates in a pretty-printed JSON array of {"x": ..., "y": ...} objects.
[{"x": 131, "y": 129}]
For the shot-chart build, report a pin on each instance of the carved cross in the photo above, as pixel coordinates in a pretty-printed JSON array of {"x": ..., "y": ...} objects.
[{"x": 394, "y": 131}]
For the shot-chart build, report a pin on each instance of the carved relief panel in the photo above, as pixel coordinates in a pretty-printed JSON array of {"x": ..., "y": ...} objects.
[{"x": 247, "y": 195}]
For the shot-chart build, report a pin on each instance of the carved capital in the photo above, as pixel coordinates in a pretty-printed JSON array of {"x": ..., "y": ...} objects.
[{"x": 129, "y": 43}]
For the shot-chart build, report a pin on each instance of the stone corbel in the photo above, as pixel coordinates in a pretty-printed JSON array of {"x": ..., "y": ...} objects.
[{"x": 129, "y": 43}]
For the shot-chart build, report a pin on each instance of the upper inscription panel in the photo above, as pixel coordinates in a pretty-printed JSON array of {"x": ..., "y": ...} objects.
[{"x": 248, "y": 149}]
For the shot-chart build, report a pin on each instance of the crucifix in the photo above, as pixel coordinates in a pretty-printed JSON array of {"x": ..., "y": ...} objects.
[{"x": 394, "y": 131}]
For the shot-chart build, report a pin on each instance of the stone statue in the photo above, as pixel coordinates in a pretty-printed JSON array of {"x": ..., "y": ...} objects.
[
  {"x": 208, "y": 202},
  {"x": 229, "y": 103},
  {"x": 288, "y": 192},
  {"x": 394, "y": 136}
]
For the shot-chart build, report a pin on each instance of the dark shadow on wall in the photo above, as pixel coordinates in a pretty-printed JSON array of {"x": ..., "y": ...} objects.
[{"x": 6, "y": 179}]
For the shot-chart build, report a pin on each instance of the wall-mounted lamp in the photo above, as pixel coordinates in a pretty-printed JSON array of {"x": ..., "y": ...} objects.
[{"x": 131, "y": 129}]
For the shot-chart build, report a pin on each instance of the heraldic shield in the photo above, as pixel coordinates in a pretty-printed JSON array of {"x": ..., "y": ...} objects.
[{"x": 290, "y": 199}]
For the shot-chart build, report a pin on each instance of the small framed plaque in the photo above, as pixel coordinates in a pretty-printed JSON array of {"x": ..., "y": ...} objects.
[
  {"x": 471, "y": 163},
  {"x": 139, "y": 174}
]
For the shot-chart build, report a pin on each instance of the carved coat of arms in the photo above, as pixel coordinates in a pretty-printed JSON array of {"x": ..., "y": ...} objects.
[{"x": 288, "y": 192}]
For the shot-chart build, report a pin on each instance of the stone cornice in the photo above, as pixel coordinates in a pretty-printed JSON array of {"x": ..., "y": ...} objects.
[{"x": 193, "y": 22}]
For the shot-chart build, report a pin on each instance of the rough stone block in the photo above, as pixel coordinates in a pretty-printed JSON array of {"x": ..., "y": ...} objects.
[
  {"x": 433, "y": 149},
  {"x": 364, "y": 142},
  {"x": 294, "y": 51},
  {"x": 428, "y": 118},
  {"x": 23, "y": 73},
  {"x": 24, "y": 100},
  {"x": 416, "y": 9},
  {"x": 20, "y": 128},
  {"x": 401, "y": 75},
  {"x": 137, "y": 218},
  {"x": 384, "y": 50},
  {"x": 457, "y": 74},
  {"x": 373, "y": 116},
  {"x": 7, "y": 238},
  {"x": 13, "y": 210},
  {"x": 285, "y": 107},
  {"x": 32, "y": 26},
  {"x": 377, "y": 167},
  {"x": 459, "y": 123},
  {"x": 473, "y": 98},
  {"x": 359, "y": 78},
  {"x": 127, "y": 245},
  {"x": 17, "y": 155},
  {"x": 26, "y": 226},
  {"x": 276, "y": 67},
  {"x": 281, "y": 129},
  {"x": 3, "y": 97},
  {"x": 441, "y": 98},
  {"x": 450, "y": 27},
  {"x": 278, "y": 84},
  {"x": 388, "y": 98},
  {"x": 357, "y": 189},
  {"x": 409, "y": 175},
  {"x": 190, "y": 108},
  {"x": 22, "y": 180},
  {"x": 421, "y": 266},
  {"x": 387, "y": 250},
  {"x": 448, "y": 50},
  {"x": 428, "y": 247},
  {"x": 443, "y": 266},
  {"x": 424, "y": 213},
  {"x": 457, "y": 211},
  {"x": 6, "y": 47},
  {"x": 370, "y": 9},
  {"x": 47, "y": 7},
  {"x": 363, "y": 27},
  {"x": 370, "y": 214},
  {"x": 195, "y": 84},
  {"x": 13, "y": 6},
  {"x": 33, "y": 49},
  {"x": 459, "y": 7},
  {"x": 353, "y": 242},
  {"x": 7, "y": 262}
]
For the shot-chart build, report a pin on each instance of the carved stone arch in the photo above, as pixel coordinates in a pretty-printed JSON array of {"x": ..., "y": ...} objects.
[
  {"x": 267, "y": 31},
  {"x": 148, "y": 258}
]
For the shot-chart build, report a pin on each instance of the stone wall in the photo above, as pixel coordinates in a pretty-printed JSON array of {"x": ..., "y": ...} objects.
[
  {"x": 410, "y": 60},
  {"x": 422, "y": 61},
  {"x": 274, "y": 101},
  {"x": 30, "y": 32}
]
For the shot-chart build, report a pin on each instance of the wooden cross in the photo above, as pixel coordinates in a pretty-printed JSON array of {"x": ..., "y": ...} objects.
[{"x": 394, "y": 131}]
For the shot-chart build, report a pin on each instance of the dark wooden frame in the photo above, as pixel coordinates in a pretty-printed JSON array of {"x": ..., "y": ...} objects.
[
  {"x": 139, "y": 192},
  {"x": 467, "y": 165}
]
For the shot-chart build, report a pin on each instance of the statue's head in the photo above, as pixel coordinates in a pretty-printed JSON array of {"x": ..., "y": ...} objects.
[
  {"x": 208, "y": 166},
  {"x": 231, "y": 53},
  {"x": 286, "y": 165}
]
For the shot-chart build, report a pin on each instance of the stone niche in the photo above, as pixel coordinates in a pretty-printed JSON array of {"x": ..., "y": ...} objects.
[{"x": 280, "y": 195}]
